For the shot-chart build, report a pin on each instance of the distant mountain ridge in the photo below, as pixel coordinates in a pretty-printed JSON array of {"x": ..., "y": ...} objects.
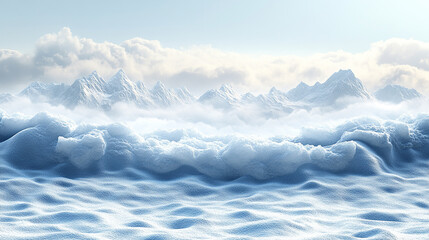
[
  {"x": 95, "y": 92},
  {"x": 396, "y": 93},
  {"x": 341, "y": 84}
]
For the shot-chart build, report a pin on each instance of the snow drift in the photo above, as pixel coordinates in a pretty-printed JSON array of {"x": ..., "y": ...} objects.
[{"x": 363, "y": 146}]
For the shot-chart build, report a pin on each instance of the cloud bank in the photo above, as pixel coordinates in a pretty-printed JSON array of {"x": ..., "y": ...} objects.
[{"x": 63, "y": 57}]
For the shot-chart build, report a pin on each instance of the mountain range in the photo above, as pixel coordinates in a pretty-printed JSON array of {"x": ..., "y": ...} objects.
[{"x": 94, "y": 92}]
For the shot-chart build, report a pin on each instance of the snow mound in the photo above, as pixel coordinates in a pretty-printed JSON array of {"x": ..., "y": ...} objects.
[{"x": 362, "y": 146}]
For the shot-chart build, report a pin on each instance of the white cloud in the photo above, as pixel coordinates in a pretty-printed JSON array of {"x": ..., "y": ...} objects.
[{"x": 63, "y": 57}]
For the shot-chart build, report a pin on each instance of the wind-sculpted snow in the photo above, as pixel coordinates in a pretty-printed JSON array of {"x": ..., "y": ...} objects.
[
  {"x": 363, "y": 178},
  {"x": 363, "y": 146}
]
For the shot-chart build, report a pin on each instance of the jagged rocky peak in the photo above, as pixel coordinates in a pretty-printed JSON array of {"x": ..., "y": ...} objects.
[
  {"x": 6, "y": 97},
  {"x": 89, "y": 91},
  {"x": 248, "y": 97},
  {"x": 303, "y": 85},
  {"x": 396, "y": 93},
  {"x": 346, "y": 81},
  {"x": 159, "y": 87},
  {"x": 226, "y": 88},
  {"x": 33, "y": 88},
  {"x": 299, "y": 91},
  {"x": 120, "y": 77},
  {"x": 163, "y": 96},
  {"x": 121, "y": 82},
  {"x": 121, "y": 73},
  {"x": 40, "y": 86},
  {"x": 36, "y": 84},
  {"x": 93, "y": 81},
  {"x": 275, "y": 91},
  {"x": 339, "y": 85},
  {"x": 94, "y": 77},
  {"x": 184, "y": 94},
  {"x": 140, "y": 85},
  {"x": 44, "y": 92},
  {"x": 224, "y": 97},
  {"x": 344, "y": 77}
]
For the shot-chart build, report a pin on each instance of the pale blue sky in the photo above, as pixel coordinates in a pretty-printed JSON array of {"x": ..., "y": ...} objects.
[{"x": 256, "y": 27}]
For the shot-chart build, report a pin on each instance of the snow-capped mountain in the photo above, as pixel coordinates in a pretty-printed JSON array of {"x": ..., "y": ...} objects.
[
  {"x": 44, "y": 92},
  {"x": 275, "y": 100},
  {"x": 299, "y": 91},
  {"x": 121, "y": 89},
  {"x": 224, "y": 97},
  {"x": 166, "y": 97},
  {"x": 94, "y": 92},
  {"x": 89, "y": 91},
  {"x": 396, "y": 94},
  {"x": 6, "y": 97},
  {"x": 341, "y": 84}
]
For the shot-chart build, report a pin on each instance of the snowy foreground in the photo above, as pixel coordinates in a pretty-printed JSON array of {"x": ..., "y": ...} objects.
[
  {"x": 65, "y": 179},
  {"x": 115, "y": 160}
]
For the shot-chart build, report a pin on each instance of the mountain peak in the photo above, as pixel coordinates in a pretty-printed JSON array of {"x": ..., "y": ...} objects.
[
  {"x": 120, "y": 76},
  {"x": 340, "y": 84},
  {"x": 346, "y": 71},
  {"x": 121, "y": 83},
  {"x": 94, "y": 74},
  {"x": 225, "y": 87},
  {"x": 396, "y": 93},
  {"x": 159, "y": 86},
  {"x": 36, "y": 84},
  {"x": 342, "y": 76},
  {"x": 93, "y": 78},
  {"x": 121, "y": 73},
  {"x": 274, "y": 90},
  {"x": 302, "y": 85}
]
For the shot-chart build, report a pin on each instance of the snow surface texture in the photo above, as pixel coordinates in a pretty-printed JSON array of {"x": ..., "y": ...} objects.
[
  {"x": 364, "y": 178},
  {"x": 362, "y": 146}
]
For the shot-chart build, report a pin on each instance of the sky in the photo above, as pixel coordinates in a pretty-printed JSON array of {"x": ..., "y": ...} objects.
[
  {"x": 249, "y": 26},
  {"x": 235, "y": 36}
]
